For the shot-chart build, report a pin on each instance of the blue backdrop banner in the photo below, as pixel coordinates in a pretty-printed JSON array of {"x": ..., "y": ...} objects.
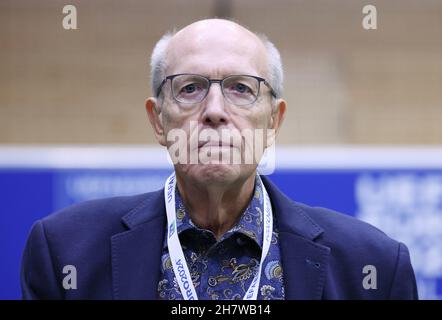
[{"x": 405, "y": 201}]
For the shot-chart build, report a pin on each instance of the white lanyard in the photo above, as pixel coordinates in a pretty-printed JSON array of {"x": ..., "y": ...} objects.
[{"x": 176, "y": 254}]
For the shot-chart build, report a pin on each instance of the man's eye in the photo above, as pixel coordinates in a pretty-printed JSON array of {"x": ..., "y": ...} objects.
[
  {"x": 190, "y": 88},
  {"x": 240, "y": 88}
]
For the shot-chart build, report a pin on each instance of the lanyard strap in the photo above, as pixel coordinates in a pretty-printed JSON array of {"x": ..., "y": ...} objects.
[{"x": 176, "y": 254}]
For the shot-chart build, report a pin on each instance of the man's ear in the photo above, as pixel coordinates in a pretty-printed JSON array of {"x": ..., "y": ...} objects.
[
  {"x": 153, "y": 110},
  {"x": 276, "y": 119}
]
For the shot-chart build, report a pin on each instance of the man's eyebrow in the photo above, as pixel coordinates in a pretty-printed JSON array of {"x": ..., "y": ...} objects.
[
  {"x": 194, "y": 69},
  {"x": 221, "y": 75}
]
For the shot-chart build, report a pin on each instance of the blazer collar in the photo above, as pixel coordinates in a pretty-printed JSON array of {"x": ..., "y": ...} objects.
[{"x": 136, "y": 253}]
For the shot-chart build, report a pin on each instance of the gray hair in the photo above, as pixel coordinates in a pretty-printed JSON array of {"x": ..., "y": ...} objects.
[{"x": 158, "y": 63}]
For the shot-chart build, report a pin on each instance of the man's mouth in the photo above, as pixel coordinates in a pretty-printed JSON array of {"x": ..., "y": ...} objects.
[{"x": 220, "y": 144}]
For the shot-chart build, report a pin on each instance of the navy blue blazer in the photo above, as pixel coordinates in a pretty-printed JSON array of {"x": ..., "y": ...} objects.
[{"x": 115, "y": 245}]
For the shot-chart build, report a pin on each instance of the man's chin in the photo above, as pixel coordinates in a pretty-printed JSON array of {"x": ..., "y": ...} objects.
[{"x": 215, "y": 172}]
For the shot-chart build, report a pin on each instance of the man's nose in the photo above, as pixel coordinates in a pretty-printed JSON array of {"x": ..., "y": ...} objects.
[{"x": 214, "y": 112}]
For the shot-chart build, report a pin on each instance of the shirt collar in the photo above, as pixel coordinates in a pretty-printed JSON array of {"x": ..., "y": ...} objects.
[{"x": 250, "y": 223}]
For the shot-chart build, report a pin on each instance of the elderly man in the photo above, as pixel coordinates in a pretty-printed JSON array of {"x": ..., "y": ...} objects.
[{"x": 218, "y": 230}]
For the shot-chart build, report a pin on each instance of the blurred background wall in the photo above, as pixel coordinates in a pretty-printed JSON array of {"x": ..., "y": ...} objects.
[{"x": 343, "y": 84}]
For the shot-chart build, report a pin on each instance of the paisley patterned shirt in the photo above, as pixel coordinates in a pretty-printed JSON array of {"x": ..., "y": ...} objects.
[{"x": 224, "y": 269}]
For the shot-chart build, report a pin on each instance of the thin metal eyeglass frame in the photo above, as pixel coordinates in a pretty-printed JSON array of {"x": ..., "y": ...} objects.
[{"x": 220, "y": 81}]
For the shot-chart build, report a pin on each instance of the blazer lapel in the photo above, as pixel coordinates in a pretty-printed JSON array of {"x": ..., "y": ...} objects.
[
  {"x": 304, "y": 261},
  {"x": 136, "y": 253}
]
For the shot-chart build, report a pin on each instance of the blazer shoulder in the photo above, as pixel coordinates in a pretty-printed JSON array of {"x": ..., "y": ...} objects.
[
  {"x": 344, "y": 232},
  {"x": 101, "y": 213},
  {"x": 356, "y": 249}
]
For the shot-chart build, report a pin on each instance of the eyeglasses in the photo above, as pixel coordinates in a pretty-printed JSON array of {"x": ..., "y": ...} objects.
[{"x": 240, "y": 90}]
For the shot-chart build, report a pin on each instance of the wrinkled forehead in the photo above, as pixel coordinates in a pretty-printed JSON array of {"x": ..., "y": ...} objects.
[{"x": 216, "y": 51}]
